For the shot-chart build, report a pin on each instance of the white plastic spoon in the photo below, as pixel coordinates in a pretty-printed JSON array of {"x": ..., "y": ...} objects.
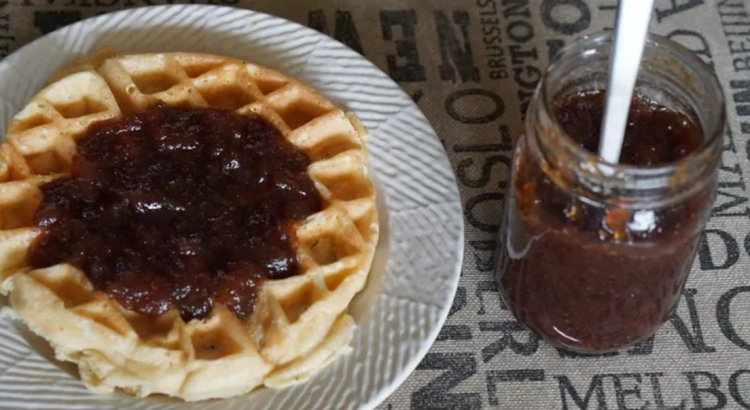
[{"x": 631, "y": 29}]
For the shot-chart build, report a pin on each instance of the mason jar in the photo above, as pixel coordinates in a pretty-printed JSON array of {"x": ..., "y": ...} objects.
[{"x": 593, "y": 256}]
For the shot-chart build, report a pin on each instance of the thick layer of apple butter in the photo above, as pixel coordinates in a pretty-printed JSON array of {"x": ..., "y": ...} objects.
[{"x": 178, "y": 208}]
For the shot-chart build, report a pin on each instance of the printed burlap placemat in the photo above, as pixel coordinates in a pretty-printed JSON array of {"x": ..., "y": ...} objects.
[{"x": 472, "y": 65}]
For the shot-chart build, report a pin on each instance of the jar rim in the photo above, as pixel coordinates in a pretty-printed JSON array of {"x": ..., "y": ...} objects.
[{"x": 659, "y": 176}]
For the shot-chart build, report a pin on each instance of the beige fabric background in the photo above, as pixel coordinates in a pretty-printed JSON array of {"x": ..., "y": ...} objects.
[{"x": 471, "y": 64}]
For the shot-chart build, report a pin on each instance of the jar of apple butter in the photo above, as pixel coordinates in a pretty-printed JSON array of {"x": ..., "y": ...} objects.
[{"x": 593, "y": 256}]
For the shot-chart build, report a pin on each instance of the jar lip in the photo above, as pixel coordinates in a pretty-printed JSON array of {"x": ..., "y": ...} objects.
[{"x": 596, "y": 164}]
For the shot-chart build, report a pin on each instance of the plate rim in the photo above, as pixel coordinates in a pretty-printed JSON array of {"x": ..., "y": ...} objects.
[{"x": 391, "y": 386}]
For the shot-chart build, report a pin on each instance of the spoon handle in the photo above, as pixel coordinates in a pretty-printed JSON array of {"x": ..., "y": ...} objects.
[{"x": 631, "y": 29}]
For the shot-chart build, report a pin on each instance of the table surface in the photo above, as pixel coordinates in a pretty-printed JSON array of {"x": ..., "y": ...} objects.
[{"x": 472, "y": 65}]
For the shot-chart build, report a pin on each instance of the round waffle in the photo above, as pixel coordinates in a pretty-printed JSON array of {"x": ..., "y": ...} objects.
[{"x": 300, "y": 323}]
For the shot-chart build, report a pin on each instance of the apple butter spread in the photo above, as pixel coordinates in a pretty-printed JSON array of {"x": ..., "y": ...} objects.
[
  {"x": 654, "y": 135},
  {"x": 592, "y": 276},
  {"x": 178, "y": 208}
]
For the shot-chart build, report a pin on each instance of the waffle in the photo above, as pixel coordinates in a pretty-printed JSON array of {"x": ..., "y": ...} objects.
[{"x": 300, "y": 324}]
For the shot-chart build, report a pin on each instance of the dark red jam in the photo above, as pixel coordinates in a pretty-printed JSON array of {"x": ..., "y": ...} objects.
[
  {"x": 178, "y": 208},
  {"x": 655, "y": 135},
  {"x": 596, "y": 278}
]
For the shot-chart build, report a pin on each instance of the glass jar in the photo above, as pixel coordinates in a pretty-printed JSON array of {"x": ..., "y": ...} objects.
[{"x": 593, "y": 256}]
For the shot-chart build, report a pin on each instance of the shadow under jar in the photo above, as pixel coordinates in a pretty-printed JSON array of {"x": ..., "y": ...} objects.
[{"x": 594, "y": 256}]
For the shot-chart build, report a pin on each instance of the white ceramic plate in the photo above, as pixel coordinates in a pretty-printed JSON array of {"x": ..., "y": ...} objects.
[{"x": 418, "y": 263}]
